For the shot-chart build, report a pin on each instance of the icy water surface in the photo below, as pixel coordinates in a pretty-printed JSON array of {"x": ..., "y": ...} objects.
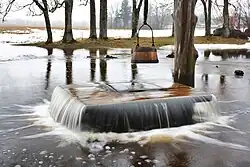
[{"x": 29, "y": 136}]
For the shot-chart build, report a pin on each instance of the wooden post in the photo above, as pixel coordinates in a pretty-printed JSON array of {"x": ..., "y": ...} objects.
[{"x": 185, "y": 53}]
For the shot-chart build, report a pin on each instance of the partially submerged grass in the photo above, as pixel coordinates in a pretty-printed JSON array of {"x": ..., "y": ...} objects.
[
  {"x": 229, "y": 52},
  {"x": 130, "y": 42}
]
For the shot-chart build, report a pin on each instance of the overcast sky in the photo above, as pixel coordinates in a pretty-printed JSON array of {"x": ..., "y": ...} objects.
[{"x": 80, "y": 13}]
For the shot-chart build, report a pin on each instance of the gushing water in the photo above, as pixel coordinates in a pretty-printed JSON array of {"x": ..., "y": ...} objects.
[
  {"x": 206, "y": 110},
  {"x": 66, "y": 109},
  {"x": 97, "y": 141}
]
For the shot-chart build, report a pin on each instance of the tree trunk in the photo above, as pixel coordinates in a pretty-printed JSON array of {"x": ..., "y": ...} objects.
[
  {"x": 92, "y": 20},
  {"x": 209, "y": 17},
  {"x": 248, "y": 22},
  {"x": 47, "y": 22},
  {"x": 226, "y": 31},
  {"x": 185, "y": 58},
  {"x": 48, "y": 28},
  {"x": 135, "y": 20},
  {"x": 206, "y": 17},
  {"x": 103, "y": 19},
  {"x": 173, "y": 19},
  {"x": 239, "y": 18},
  {"x": 172, "y": 26},
  {"x": 44, "y": 8},
  {"x": 135, "y": 17},
  {"x": 68, "y": 33}
]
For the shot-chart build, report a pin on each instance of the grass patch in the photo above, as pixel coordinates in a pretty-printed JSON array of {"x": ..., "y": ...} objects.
[
  {"x": 230, "y": 52},
  {"x": 128, "y": 42}
]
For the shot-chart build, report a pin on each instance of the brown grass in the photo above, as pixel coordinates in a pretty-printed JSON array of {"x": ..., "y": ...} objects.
[{"x": 128, "y": 42}]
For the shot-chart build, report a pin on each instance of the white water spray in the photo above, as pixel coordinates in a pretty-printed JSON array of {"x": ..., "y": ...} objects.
[{"x": 66, "y": 109}]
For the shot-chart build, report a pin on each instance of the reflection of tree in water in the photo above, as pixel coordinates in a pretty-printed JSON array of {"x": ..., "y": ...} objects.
[
  {"x": 134, "y": 71},
  {"x": 222, "y": 85},
  {"x": 162, "y": 152},
  {"x": 204, "y": 79},
  {"x": 93, "y": 55},
  {"x": 207, "y": 54},
  {"x": 179, "y": 160},
  {"x": 103, "y": 64},
  {"x": 231, "y": 53},
  {"x": 68, "y": 53},
  {"x": 140, "y": 161},
  {"x": 48, "y": 71},
  {"x": 68, "y": 58},
  {"x": 224, "y": 56}
]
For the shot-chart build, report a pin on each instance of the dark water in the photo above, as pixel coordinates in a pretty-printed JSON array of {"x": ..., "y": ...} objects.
[{"x": 29, "y": 75}]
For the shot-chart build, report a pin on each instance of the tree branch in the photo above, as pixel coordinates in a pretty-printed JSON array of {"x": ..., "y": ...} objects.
[
  {"x": 57, "y": 6},
  {"x": 39, "y": 5},
  {"x": 85, "y": 2},
  {"x": 216, "y": 3},
  {"x": 166, "y": 5},
  {"x": 7, "y": 9},
  {"x": 140, "y": 5},
  {"x": 24, "y": 6}
]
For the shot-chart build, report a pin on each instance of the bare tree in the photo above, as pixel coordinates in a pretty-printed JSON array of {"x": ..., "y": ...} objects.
[
  {"x": 173, "y": 19},
  {"x": 239, "y": 10},
  {"x": 159, "y": 15},
  {"x": 44, "y": 9},
  {"x": 135, "y": 16},
  {"x": 185, "y": 57},
  {"x": 226, "y": 32},
  {"x": 207, "y": 5},
  {"x": 244, "y": 13},
  {"x": 103, "y": 20},
  {"x": 225, "y": 15},
  {"x": 209, "y": 18},
  {"x": 68, "y": 33},
  {"x": 92, "y": 20},
  {"x": 92, "y": 34},
  {"x": 111, "y": 16}
]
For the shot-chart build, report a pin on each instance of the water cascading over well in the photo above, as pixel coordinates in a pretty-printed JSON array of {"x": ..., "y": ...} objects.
[
  {"x": 104, "y": 109},
  {"x": 66, "y": 109}
]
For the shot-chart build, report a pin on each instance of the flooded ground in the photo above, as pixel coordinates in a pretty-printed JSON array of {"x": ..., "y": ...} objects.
[
  {"x": 37, "y": 35},
  {"x": 29, "y": 137}
]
